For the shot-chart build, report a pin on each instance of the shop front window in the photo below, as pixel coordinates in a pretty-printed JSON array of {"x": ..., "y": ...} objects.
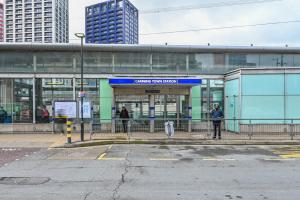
[
  {"x": 212, "y": 93},
  {"x": 16, "y": 100},
  {"x": 92, "y": 91},
  {"x": 49, "y": 90}
]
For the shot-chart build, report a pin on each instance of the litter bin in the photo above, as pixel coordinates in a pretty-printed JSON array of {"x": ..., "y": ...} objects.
[{"x": 169, "y": 128}]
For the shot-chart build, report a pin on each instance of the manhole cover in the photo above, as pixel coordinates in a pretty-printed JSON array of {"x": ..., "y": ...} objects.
[{"x": 23, "y": 180}]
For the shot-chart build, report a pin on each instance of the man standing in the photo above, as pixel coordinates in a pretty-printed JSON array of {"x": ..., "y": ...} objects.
[
  {"x": 3, "y": 114},
  {"x": 124, "y": 116},
  {"x": 217, "y": 115}
]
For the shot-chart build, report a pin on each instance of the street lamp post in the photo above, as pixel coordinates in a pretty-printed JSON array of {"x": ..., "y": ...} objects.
[{"x": 81, "y": 36}]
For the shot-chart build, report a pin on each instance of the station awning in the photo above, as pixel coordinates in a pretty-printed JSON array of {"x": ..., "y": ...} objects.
[{"x": 155, "y": 81}]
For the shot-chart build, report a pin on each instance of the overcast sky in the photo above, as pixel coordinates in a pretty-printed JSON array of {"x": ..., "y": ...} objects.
[{"x": 285, "y": 10}]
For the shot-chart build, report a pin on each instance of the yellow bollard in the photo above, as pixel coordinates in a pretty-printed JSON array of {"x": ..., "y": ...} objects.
[{"x": 69, "y": 131}]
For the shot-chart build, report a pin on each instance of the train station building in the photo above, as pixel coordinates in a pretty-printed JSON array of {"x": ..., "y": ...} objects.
[{"x": 156, "y": 83}]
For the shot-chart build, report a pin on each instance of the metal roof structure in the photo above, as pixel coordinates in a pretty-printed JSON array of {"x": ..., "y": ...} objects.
[{"x": 147, "y": 48}]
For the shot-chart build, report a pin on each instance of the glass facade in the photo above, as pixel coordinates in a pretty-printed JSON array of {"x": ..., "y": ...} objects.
[
  {"x": 54, "y": 75},
  {"x": 16, "y": 62},
  {"x": 112, "y": 22},
  {"x": 92, "y": 90},
  {"x": 263, "y": 98},
  {"x": 52, "y": 62},
  {"x": 16, "y": 99}
]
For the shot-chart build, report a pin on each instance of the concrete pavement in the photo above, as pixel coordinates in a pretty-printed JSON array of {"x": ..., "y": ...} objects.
[
  {"x": 150, "y": 172},
  {"x": 59, "y": 141}
]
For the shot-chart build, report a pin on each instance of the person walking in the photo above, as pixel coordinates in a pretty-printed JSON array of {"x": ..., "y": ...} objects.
[
  {"x": 45, "y": 115},
  {"x": 217, "y": 115},
  {"x": 124, "y": 116},
  {"x": 60, "y": 120},
  {"x": 3, "y": 115}
]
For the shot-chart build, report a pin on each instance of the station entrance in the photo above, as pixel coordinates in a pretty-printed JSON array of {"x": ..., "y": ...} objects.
[
  {"x": 166, "y": 108},
  {"x": 149, "y": 107}
]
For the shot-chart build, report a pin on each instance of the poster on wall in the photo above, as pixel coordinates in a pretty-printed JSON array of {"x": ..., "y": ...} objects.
[
  {"x": 67, "y": 109},
  {"x": 87, "y": 110}
]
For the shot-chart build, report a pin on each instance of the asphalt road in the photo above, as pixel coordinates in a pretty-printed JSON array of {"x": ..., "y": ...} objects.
[
  {"x": 8, "y": 155},
  {"x": 131, "y": 172}
]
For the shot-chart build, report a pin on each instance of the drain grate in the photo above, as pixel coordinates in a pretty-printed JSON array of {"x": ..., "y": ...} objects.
[{"x": 24, "y": 180}]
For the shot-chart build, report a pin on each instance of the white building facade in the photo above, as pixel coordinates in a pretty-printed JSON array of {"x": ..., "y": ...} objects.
[{"x": 40, "y": 21}]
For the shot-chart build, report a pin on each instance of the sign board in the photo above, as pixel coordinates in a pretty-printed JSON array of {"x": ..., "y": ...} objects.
[
  {"x": 66, "y": 109},
  {"x": 154, "y": 81},
  {"x": 81, "y": 94},
  {"x": 87, "y": 110},
  {"x": 152, "y": 91}
]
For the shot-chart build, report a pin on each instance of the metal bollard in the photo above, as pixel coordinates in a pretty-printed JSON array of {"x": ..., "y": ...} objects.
[{"x": 69, "y": 131}]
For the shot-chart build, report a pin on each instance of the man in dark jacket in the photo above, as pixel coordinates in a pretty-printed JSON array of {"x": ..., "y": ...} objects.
[
  {"x": 217, "y": 115},
  {"x": 124, "y": 117},
  {"x": 3, "y": 115}
]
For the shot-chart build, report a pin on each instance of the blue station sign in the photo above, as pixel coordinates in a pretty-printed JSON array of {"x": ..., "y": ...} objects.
[{"x": 154, "y": 81}]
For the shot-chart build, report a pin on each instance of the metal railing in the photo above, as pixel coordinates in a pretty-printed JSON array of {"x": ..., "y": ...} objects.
[
  {"x": 244, "y": 129},
  {"x": 230, "y": 128}
]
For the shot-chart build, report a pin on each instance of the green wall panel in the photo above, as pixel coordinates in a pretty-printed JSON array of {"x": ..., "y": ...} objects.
[
  {"x": 263, "y": 107},
  {"x": 106, "y": 98},
  {"x": 196, "y": 103},
  {"x": 271, "y": 84},
  {"x": 293, "y": 84},
  {"x": 292, "y": 107},
  {"x": 232, "y": 106}
]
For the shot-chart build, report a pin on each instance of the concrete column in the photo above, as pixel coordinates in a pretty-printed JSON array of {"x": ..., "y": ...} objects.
[
  {"x": 34, "y": 63},
  {"x": 165, "y": 106},
  {"x": 74, "y": 89},
  {"x": 178, "y": 110},
  {"x": 141, "y": 109},
  {"x": 188, "y": 111},
  {"x": 187, "y": 63},
  {"x": 113, "y": 114},
  {"x": 113, "y": 63},
  {"x": 33, "y": 101},
  {"x": 208, "y": 98},
  {"x": 151, "y": 63},
  {"x": 151, "y": 112}
]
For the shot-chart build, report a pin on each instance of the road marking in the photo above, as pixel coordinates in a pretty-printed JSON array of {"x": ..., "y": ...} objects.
[
  {"x": 211, "y": 158},
  {"x": 163, "y": 159},
  {"x": 102, "y": 156},
  {"x": 279, "y": 159},
  {"x": 218, "y": 159},
  {"x": 292, "y": 155},
  {"x": 112, "y": 159},
  {"x": 287, "y": 152},
  {"x": 8, "y": 149},
  {"x": 110, "y": 146}
]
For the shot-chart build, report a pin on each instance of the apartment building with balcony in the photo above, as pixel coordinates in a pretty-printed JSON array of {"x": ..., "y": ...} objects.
[
  {"x": 1, "y": 23},
  {"x": 40, "y": 21}
]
